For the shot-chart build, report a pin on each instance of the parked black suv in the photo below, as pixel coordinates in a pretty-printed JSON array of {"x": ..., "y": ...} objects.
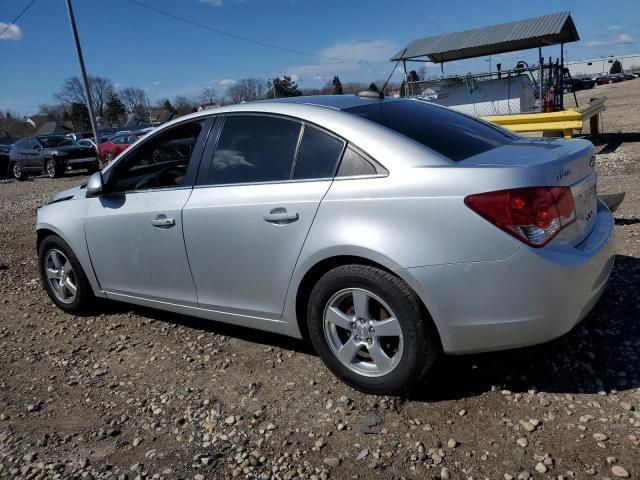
[{"x": 51, "y": 154}]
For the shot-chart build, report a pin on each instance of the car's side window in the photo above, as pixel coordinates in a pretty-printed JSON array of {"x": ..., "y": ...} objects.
[
  {"x": 160, "y": 162},
  {"x": 318, "y": 155},
  {"x": 356, "y": 164},
  {"x": 254, "y": 148}
]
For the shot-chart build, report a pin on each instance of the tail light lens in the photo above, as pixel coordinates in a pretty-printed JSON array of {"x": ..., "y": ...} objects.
[{"x": 533, "y": 215}]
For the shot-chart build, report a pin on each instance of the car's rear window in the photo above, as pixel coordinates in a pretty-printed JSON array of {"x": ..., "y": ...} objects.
[{"x": 445, "y": 131}]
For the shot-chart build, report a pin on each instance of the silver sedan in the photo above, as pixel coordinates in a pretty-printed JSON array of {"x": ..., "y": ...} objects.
[{"x": 384, "y": 231}]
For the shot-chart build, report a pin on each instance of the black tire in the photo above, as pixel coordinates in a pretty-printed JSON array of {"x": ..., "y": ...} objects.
[
  {"x": 17, "y": 172},
  {"x": 421, "y": 341},
  {"x": 53, "y": 169},
  {"x": 84, "y": 299}
]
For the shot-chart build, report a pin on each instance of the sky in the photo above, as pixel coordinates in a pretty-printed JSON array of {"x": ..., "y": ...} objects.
[{"x": 135, "y": 46}]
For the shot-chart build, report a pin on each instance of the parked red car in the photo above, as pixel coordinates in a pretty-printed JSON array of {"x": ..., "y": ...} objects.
[
  {"x": 603, "y": 80},
  {"x": 114, "y": 147}
]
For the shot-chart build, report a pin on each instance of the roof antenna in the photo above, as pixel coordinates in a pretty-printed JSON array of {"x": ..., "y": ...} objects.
[
  {"x": 392, "y": 72},
  {"x": 380, "y": 95}
]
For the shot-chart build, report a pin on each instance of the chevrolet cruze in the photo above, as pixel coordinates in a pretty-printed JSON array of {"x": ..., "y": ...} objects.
[{"x": 385, "y": 231}]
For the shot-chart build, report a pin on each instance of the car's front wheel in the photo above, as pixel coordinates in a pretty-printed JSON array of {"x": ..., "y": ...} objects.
[
  {"x": 53, "y": 169},
  {"x": 17, "y": 171},
  {"x": 371, "y": 330},
  {"x": 63, "y": 277}
]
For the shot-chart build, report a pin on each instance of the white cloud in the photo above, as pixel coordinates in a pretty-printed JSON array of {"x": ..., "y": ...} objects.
[
  {"x": 614, "y": 28},
  {"x": 347, "y": 57},
  {"x": 367, "y": 51},
  {"x": 623, "y": 39},
  {"x": 214, "y": 3},
  {"x": 117, "y": 85},
  {"x": 157, "y": 82},
  {"x": 14, "y": 32},
  {"x": 227, "y": 82}
]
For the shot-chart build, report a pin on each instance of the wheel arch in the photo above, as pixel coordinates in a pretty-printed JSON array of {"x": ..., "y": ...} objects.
[{"x": 321, "y": 267}]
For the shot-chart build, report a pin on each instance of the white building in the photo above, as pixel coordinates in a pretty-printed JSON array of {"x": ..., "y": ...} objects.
[{"x": 630, "y": 63}]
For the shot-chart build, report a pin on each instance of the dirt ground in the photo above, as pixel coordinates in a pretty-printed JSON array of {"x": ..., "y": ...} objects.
[{"x": 136, "y": 393}]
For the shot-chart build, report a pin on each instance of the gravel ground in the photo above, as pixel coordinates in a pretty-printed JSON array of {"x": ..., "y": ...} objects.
[{"x": 136, "y": 393}]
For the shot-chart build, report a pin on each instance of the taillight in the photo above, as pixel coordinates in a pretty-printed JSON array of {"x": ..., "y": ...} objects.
[{"x": 533, "y": 215}]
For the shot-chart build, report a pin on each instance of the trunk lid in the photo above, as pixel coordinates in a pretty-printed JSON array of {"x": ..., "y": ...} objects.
[{"x": 552, "y": 162}]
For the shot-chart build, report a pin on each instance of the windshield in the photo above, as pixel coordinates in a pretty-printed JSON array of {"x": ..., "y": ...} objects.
[
  {"x": 449, "y": 133},
  {"x": 56, "y": 141}
]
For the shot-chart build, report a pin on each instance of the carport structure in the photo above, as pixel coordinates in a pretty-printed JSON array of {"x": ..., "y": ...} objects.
[{"x": 538, "y": 32}]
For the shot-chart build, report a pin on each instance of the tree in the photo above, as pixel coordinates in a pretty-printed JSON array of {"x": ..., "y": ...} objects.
[
  {"x": 247, "y": 90},
  {"x": 56, "y": 112},
  {"x": 616, "y": 67},
  {"x": 72, "y": 91},
  {"x": 168, "y": 107},
  {"x": 373, "y": 87},
  {"x": 183, "y": 105},
  {"x": 80, "y": 116},
  {"x": 413, "y": 76},
  {"x": 135, "y": 101},
  {"x": 114, "y": 111},
  {"x": 208, "y": 96},
  {"x": 284, "y": 87},
  {"x": 336, "y": 85}
]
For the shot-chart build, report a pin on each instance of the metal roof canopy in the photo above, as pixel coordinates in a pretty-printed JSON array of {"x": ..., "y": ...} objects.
[{"x": 535, "y": 32}]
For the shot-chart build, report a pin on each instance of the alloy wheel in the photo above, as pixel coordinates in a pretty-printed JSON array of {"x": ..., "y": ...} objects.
[
  {"x": 362, "y": 332},
  {"x": 60, "y": 275},
  {"x": 51, "y": 168},
  {"x": 17, "y": 171}
]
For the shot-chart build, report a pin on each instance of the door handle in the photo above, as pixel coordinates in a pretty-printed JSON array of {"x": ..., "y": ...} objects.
[
  {"x": 280, "y": 216},
  {"x": 161, "y": 221}
]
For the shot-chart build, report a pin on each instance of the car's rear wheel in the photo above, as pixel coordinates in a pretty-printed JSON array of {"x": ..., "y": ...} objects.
[
  {"x": 63, "y": 277},
  {"x": 52, "y": 169},
  {"x": 108, "y": 157},
  {"x": 371, "y": 330},
  {"x": 17, "y": 171}
]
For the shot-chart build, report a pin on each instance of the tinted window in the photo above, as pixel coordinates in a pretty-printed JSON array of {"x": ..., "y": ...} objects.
[
  {"x": 22, "y": 143},
  {"x": 449, "y": 133},
  {"x": 318, "y": 155},
  {"x": 160, "y": 162},
  {"x": 56, "y": 141},
  {"x": 254, "y": 149},
  {"x": 354, "y": 164}
]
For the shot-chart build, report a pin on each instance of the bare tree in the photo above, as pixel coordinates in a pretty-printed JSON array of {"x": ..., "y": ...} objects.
[
  {"x": 183, "y": 105},
  {"x": 56, "y": 112},
  {"x": 208, "y": 96},
  {"x": 73, "y": 92},
  {"x": 247, "y": 90},
  {"x": 135, "y": 100}
]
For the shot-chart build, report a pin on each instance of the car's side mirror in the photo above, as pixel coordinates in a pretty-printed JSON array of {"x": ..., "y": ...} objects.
[
  {"x": 95, "y": 185},
  {"x": 37, "y": 147}
]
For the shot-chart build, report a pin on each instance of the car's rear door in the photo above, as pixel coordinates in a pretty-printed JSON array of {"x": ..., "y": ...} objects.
[
  {"x": 134, "y": 231},
  {"x": 250, "y": 213}
]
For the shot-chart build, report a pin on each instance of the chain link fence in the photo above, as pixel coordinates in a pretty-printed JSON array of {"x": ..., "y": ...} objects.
[{"x": 498, "y": 93}]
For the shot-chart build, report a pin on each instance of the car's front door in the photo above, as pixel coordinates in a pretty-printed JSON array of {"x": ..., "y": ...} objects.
[
  {"x": 134, "y": 230},
  {"x": 247, "y": 222}
]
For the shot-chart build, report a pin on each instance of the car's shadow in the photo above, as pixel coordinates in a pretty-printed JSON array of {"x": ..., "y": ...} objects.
[{"x": 600, "y": 354}]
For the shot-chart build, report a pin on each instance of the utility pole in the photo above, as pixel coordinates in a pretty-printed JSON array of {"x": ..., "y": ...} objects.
[{"x": 83, "y": 73}]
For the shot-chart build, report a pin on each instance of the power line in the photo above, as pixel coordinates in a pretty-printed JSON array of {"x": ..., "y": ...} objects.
[
  {"x": 24, "y": 10},
  {"x": 237, "y": 37}
]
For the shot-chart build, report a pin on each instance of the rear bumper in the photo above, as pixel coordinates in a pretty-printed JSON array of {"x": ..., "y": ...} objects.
[
  {"x": 531, "y": 297},
  {"x": 81, "y": 162}
]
